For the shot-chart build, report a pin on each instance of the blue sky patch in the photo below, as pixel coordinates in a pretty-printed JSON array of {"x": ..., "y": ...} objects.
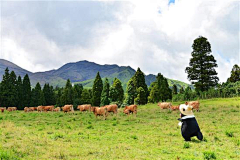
[{"x": 171, "y": 1}]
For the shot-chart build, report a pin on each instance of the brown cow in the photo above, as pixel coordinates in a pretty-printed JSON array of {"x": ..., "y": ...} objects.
[
  {"x": 67, "y": 108},
  {"x": 26, "y": 109},
  {"x": 112, "y": 108},
  {"x": 31, "y": 109},
  {"x": 12, "y": 108},
  {"x": 58, "y": 109},
  {"x": 100, "y": 111},
  {"x": 164, "y": 105},
  {"x": 48, "y": 108},
  {"x": 40, "y": 108},
  {"x": 175, "y": 108},
  {"x": 84, "y": 107},
  {"x": 2, "y": 110},
  {"x": 130, "y": 109},
  {"x": 194, "y": 104}
]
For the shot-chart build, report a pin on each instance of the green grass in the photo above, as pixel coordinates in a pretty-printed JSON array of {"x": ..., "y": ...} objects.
[{"x": 153, "y": 134}]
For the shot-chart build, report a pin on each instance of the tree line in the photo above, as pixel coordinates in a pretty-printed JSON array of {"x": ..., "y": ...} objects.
[{"x": 15, "y": 91}]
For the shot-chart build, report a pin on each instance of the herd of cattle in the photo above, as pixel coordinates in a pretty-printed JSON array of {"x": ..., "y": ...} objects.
[{"x": 99, "y": 111}]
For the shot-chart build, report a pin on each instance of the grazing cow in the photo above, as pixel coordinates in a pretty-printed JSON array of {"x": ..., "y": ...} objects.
[
  {"x": 31, "y": 109},
  {"x": 2, "y": 110},
  {"x": 112, "y": 108},
  {"x": 40, "y": 108},
  {"x": 194, "y": 104},
  {"x": 67, "y": 108},
  {"x": 100, "y": 111},
  {"x": 165, "y": 105},
  {"x": 10, "y": 109},
  {"x": 58, "y": 109},
  {"x": 84, "y": 107},
  {"x": 26, "y": 109},
  {"x": 175, "y": 108},
  {"x": 130, "y": 109},
  {"x": 48, "y": 108}
]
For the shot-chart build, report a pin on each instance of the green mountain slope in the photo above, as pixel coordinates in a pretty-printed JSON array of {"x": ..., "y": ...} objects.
[{"x": 83, "y": 72}]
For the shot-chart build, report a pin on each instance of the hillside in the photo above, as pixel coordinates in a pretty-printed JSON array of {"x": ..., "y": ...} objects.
[{"x": 82, "y": 72}]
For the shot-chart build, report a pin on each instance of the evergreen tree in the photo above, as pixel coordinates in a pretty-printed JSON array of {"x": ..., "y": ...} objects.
[
  {"x": 131, "y": 92},
  {"x": 139, "y": 81},
  {"x": 160, "y": 90},
  {"x": 49, "y": 95},
  {"x": 37, "y": 96},
  {"x": 235, "y": 74},
  {"x": 12, "y": 90},
  {"x": 59, "y": 96},
  {"x": 187, "y": 93},
  {"x": 67, "y": 97},
  {"x": 181, "y": 91},
  {"x": 141, "y": 96},
  {"x": 116, "y": 91},
  {"x": 77, "y": 91},
  {"x": 19, "y": 88},
  {"x": 97, "y": 90},
  {"x": 5, "y": 89},
  {"x": 174, "y": 89},
  {"x": 154, "y": 95},
  {"x": 86, "y": 96},
  {"x": 201, "y": 71},
  {"x": 105, "y": 93},
  {"x": 26, "y": 91}
]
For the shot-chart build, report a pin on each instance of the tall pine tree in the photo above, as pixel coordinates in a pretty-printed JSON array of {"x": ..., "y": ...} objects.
[
  {"x": 97, "y": 90},
  {"x": 67, "y": 97},
  {"x": 19, "y": 88},
  {"x": 105, "y": 93},
  {"x": 116, "y": 91},
  {"x": 37, "y": 96},
  {"x": 201, "y": 71},
  {"x": 26, "y": 91},
  {"x": 174, "y": 89},
  {"x": 138, "y": 80},
  {"x": 235, "y": 74}
]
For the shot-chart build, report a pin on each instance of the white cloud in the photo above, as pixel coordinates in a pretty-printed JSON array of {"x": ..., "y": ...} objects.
[{"x": 152, "y": 35}]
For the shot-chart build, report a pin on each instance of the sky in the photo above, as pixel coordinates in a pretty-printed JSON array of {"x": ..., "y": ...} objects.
[{"x": 154, "y": 35}]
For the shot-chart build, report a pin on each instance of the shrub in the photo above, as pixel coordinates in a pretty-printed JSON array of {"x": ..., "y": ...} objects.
[
  {"x": 208, "y": 155},
  {"x": 229, "y": 133},
  {"x": 186, "y": 145}
]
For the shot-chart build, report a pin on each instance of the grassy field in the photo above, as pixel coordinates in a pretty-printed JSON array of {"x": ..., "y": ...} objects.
[{"x": 153, "y": 134}]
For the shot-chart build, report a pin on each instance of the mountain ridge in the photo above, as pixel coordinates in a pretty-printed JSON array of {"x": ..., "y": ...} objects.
[{"x": 82, "y": 72}]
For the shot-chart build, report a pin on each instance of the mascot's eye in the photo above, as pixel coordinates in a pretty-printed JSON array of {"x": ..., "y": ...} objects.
[{"x": 183, "y": 109}]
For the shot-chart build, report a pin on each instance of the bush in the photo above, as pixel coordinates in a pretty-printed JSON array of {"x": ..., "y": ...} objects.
[
  {"x": 186, "y": 145},
  {"x": 208, "y": 155},
  {"x": 229, "y": 133}
]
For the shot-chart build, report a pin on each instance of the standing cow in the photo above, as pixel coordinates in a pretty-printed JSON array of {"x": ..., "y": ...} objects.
[
  {"x": 165, "y": 105},
  {"x": 193, "y": 104},
  {"x": 84, "y": 107},
  {"x": 67, "y": 108},
  {"x": 112, "y": 108},
  {"x": 100, "y": 111},
  {"x": 130, "y": 109}
]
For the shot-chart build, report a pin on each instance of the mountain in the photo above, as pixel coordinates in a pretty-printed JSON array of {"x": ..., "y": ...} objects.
[{"x": 83, "y": 72}]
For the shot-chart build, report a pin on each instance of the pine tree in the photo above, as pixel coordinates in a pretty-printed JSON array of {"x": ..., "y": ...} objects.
[
  {"x": 5, "y": 85},
  {"x": 105, "y": 93},
  {"x": 235, "y": 74},
  {"x": 174, "y": 89},
  {"x": 37, "y": 96},
  {"x": 201, "y": 71},
  {"x": 160, "y": 90},
  {"x": 97, "y": 90},
  {"x": 67, "y": 97},
  {"x": 77, "y": 91},
  {"x": 131, "y": 92},
  {"x": 12, "y": 90},
  {"x": 138, "y": 80},
  {"x": 86, "y": 96},
  {"x": 26, "y": 91},
  {"x": 116, "y": 91},
  {"x": 19, "y": 88},
  {"x": 141, "y": 96}
]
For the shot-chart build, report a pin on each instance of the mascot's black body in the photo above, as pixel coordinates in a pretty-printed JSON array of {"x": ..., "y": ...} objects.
[{"x": 189, "y": 125}]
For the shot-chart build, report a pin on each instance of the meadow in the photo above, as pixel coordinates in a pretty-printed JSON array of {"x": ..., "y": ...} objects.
[{"x": 153, "y": 134}]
